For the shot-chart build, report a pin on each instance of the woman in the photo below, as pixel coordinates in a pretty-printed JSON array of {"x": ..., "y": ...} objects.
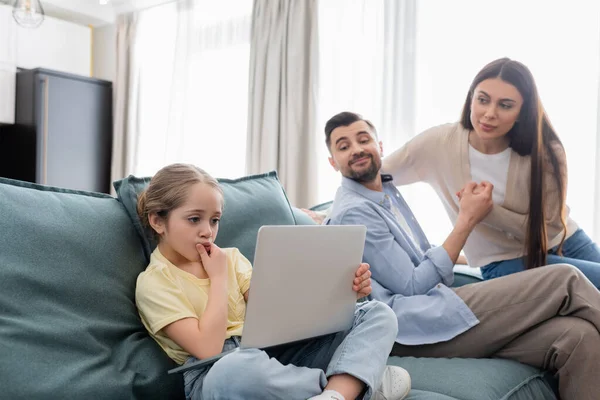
[{"x": 504, "y": 138}]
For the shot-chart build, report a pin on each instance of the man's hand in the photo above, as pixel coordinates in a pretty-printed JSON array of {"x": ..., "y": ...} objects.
[
  {"x": 475, "y": 203},
  {"x": 362, "y": 282}
]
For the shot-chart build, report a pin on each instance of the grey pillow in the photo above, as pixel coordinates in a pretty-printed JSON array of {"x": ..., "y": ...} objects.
[
  {"x": 69, "y": 327},
  {"x": 250, "y": 202}
]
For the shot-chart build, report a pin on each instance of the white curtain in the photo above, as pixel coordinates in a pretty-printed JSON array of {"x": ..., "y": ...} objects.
[
  {"x": 446, "y": 43},
  {"x": 596, "y": 205},
  {"x": 282, "y": 114},
  {"x": 125, "y": 99},
  {"x": 192, "y": 57},
  {"x": 596, "y": 214},
  {"x": 559, "y": 42},
  {"x": 366, "y": 65}
]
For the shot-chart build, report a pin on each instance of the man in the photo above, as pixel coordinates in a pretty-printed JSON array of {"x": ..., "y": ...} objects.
[{"x": 546, "y": 317}]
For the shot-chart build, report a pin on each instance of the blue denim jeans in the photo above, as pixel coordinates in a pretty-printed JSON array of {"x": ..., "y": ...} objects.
[
  {"x": 300, "y": 370},
  {"x": 578, "y": 250}
]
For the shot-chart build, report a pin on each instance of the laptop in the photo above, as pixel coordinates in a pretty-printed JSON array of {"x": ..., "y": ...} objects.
[{"x": 301, "y": 285}]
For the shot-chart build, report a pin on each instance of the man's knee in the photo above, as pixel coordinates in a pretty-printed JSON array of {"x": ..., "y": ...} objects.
[
  {"x": 582, "y": 338},
  {"x": 233, "y": 376},
  {"x": 562, "y": 272}
]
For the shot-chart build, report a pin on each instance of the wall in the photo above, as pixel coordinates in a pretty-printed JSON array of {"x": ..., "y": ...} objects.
[
  {"x": 104, "y": 50},
  {"x": 8, "y": 67},
  {"x": 55, "y": 44}
]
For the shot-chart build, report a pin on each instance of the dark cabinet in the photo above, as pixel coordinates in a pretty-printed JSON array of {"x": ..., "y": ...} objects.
[{"x": 63, "y": 131}]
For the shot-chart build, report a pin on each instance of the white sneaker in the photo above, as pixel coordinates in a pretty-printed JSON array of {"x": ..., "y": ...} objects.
[{"x": 395, "y": 384}]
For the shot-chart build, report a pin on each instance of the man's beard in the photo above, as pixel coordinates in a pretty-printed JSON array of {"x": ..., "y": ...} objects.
[{"x": 367, "y": 175}]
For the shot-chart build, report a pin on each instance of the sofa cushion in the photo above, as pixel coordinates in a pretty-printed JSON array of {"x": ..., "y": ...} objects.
[
  {"x": 461, "y": 279},
  {"x": 250, "y": 202},
  {"x": 424, "y": 395},
  {"x": 68, "y": 323},
  {"x": 476, "y": 379}
]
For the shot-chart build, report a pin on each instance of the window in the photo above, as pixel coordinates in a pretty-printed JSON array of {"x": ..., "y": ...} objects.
[
  {"x": 357, "y": 72},
  {"x": 193, "y": 97},
  {"x": 559, "y": 42}
]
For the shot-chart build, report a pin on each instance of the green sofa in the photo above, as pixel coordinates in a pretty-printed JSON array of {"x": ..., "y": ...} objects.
[{"x": 68, "y": 322}]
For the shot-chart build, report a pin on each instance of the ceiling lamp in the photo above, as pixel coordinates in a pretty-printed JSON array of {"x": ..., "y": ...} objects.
[{"x": 28, "y": 13}]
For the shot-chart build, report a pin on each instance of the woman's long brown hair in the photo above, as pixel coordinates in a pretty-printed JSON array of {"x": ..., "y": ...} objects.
[{"x": 532, "y": 135}]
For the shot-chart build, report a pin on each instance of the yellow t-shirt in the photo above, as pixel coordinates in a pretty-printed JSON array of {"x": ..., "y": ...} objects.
[{"x": 165, "y": 294}]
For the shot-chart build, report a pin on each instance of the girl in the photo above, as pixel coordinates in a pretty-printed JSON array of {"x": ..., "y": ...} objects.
[
  {"x": 192, "y": 299},
  {"x": 504, "y": 139}
]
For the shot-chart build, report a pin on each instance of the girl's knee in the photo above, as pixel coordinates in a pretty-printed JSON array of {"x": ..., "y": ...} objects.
[
  {"x": 234, "y": 375},
  {"x": 376, "y": 312}
]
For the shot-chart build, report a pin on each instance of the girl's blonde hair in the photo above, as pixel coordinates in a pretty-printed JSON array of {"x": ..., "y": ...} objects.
[{"x": 168, "y": 190}]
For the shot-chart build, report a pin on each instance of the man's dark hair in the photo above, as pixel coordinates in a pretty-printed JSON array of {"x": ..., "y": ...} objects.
[{"x": 343, "y": 119}]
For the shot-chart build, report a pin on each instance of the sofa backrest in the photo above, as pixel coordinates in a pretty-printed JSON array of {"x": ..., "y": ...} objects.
[
  {"x": 69, "y": 261},
  {"x": 250, "y": 202},
  {"x": 69, "y": 327}
]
